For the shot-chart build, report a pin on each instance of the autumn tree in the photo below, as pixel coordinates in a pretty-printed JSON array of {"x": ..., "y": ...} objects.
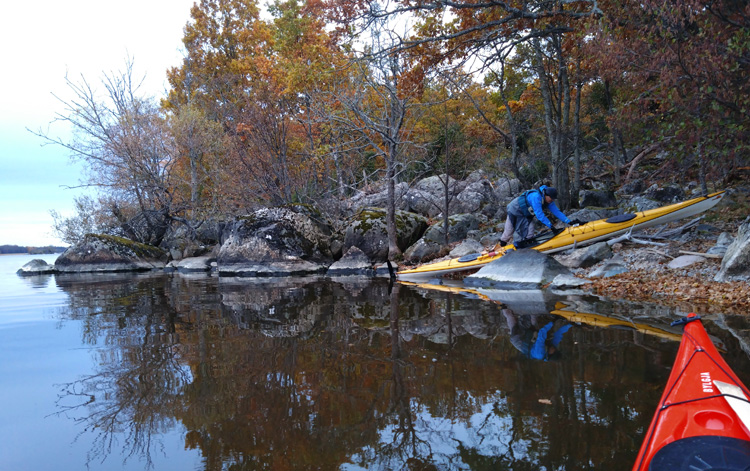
[
  {"x": 377, "y": 101},
  {"x": 226, "y": 44},
  {"x": 199, "y": 145},
  {"x": 91, "y": 217},
  {"x": 456, "y": 139},
  {"x": 471, "y": 34},
  {"x": 226, "y": 74},
  {"x": 508, "y": 83},
  {"x": 254, "y": 76},
  {"x": 124, "y": 142},
  {"x": 682, "y": 69}
]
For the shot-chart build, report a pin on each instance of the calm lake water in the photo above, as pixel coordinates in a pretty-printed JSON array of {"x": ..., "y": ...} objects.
[{"x": 196, "y": 372}]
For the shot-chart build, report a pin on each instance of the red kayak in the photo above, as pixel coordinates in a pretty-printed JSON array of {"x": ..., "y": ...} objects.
[{"x": 703, "y": 418}]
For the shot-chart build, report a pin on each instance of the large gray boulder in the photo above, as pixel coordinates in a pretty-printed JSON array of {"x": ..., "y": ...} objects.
[
  {"x": 368, "y": 232},
  {"x": 665, "y": 194},
  {"x": 276, "y": 242},
  {"x": 518, "y": 269},
  {"x": 380, "y": 199},
  {"x": 735, "y": 266},
  {"x": 104, "y": 253},
  {"x": 589, "y": 214},
  {"x": 507, "y": 188},
  {"x": 422, "y": 250},
  {"x": 192, "y": 239},
  {"x": 459, "y": 226},
  {"x": 423, "y": 202},
  {"x": 436, "y": 185},
  {"x": 467, "y": 247},
  {"x": 476, "y": 196},
  {"x": 598, "y": 198},
  {"x": 354, "y": 262},
  {"x": 587, "y": 256}
]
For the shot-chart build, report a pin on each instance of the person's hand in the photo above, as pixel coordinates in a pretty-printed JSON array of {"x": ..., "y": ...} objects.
[{"x": 576, "y": 222}]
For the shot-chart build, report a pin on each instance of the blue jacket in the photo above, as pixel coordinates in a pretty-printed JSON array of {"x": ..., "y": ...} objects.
[
  {"x": 539, "y": 349},
  {"x": 536, "y": 201}
]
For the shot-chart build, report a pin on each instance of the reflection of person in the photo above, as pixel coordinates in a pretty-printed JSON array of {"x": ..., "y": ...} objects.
[
  {"x": 523, "y": 210},
  {"x": 532, "y": 341}
]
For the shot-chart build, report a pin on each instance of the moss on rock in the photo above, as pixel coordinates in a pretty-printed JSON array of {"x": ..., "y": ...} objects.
[{"x": 138, "y": 249}]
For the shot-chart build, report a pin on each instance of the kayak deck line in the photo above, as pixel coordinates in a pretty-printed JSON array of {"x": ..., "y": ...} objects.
[
  {"x": 570, "y": 237},
  {"x": 669, "y": 404}
]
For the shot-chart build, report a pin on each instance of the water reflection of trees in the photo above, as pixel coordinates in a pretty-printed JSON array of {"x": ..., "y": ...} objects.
[
  {"x": 289, "y": 375},
  {"x": 130, "y": 401}
]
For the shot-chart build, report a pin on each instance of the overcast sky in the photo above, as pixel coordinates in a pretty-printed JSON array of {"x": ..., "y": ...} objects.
[{"x": 41, "y": 42}]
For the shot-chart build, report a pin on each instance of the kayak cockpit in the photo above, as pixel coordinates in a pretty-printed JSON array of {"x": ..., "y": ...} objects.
[{"x": 705, "y": 452}]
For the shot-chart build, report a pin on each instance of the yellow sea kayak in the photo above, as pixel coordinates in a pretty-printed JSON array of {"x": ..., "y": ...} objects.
[{"x": 573, "y": 236}]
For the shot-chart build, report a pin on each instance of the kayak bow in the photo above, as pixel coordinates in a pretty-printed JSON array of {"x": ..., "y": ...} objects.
[{"x": 698, "y": 424}]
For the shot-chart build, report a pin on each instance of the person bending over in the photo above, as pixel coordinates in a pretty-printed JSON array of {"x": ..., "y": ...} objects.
[{"x": 522, "y": 211}]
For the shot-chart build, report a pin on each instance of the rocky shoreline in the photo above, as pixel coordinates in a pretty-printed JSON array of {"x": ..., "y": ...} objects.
[
  {"x": 300, "y": 240},
  {"x": 691, "y": 287}
]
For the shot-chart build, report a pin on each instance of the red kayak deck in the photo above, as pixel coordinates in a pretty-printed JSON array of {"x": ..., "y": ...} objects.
[{"x": 695, "y": 427}]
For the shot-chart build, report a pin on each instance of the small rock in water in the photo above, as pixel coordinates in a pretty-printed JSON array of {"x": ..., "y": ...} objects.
[{"x": 36, "y": 267}]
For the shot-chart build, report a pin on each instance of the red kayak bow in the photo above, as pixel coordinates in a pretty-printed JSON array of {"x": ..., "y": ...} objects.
[{"x": 699, "y": 422}]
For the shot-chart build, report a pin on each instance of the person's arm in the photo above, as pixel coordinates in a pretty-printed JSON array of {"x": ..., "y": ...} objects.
[
  {"x": 558, "y": 214},
  {"x": 559, "y": 334},
  {"x": 535, "y": 200},
  {"x": 539, "y": 349}
]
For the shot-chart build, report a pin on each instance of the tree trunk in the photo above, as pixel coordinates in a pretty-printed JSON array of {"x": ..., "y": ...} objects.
[
  {"x": 556, "y": 116},
  {"x": 618, "y": 146},
  {"x": 563, "y": 176},
  {"x": 447, "y": 194},
  {"x": 702, "y": 166},
  {"x": 390, "y": 218},
  {"x": 513, "y": 136},
  {"x": 339, "y": 173},
  {"x": 620, "y": 143},
  {"x": 549, "y": 119},
  {"x": 193, "y": 182},
  {"x": 576, "y": 186}
]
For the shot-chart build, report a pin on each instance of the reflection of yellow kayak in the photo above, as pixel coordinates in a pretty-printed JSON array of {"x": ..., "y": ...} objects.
[
  {"x": 447, "y": 289},
  {"x": 563, "y": 310},
  {"x": 598, "y": 320},
  {"x": 571, "y": 237}
]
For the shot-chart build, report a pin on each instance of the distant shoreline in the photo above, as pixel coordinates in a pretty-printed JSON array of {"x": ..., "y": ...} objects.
[
  {"x": 9, "y": 249},
  {"x": 29, "y": 253}
]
